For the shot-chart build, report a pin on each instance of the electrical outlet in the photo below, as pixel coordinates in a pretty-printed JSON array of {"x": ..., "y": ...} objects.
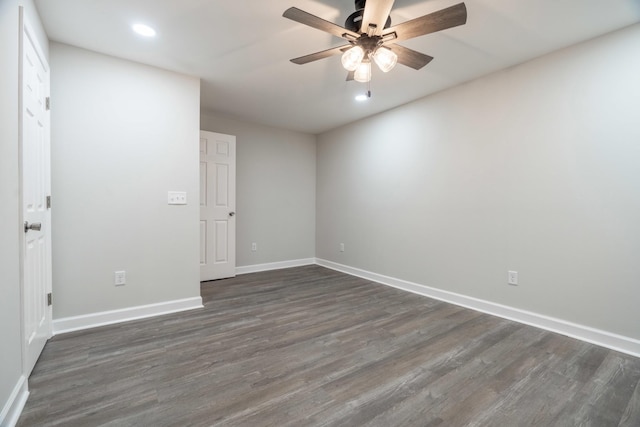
[
  {"x": 254, "y": 247},
  {"x": 341, "y": 247},
  {"x": 512, "y": 278},
  {"x": 177, "y": 198},
  {"x": 120, "y": 278}
]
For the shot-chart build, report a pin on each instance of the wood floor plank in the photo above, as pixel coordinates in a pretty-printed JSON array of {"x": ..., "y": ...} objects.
[
  {"x": 632, "y": 412},
  {"x": 603, "y": 401},
  {"x": 310, "y": 346}
]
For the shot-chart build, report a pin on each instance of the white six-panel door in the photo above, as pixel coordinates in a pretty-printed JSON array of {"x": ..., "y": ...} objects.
[
  {"x": 217, "y": 206},
  {"x": 36, "y": 184}
]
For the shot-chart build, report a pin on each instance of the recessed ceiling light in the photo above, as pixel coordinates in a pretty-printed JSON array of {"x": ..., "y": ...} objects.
[
  {"x": 144, "y": 30},
  {"x": 361, "y": 97}
]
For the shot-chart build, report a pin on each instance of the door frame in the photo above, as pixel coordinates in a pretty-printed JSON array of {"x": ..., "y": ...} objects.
[{"x": 26, "y": 31}]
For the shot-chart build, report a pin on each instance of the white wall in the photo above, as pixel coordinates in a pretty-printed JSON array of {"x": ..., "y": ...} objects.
[
  {"x": 276, "y": 184},
  {"x": 534, "y": 169},
  {"x": 123, "y": 134},
  {"x": 10, "y": 233}
]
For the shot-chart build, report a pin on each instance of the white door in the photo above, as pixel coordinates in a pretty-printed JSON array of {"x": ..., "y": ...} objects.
[
  {"x": 36, "y": 184},
  {"x": 217, "y": 206}
]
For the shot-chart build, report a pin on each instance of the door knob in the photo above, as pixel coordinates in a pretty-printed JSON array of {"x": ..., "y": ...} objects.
[
  {"x": 35, "y": 226},
  {"x": 232, "y": 213}
]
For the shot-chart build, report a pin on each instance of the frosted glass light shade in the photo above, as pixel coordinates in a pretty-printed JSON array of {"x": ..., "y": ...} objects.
[
  {"x": 385, "y": 58},
  {"x": 363, "y": 72},
  {"x": 352, "y": 58}
]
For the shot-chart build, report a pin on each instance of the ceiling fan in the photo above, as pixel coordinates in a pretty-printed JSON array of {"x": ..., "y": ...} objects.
[{"x": 372, "y": 38}]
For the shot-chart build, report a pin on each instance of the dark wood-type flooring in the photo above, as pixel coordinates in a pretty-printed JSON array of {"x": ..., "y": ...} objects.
[{"x": 310, "y": 346}]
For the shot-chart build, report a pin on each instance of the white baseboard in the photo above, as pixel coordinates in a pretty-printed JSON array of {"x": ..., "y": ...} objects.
[
  {"x": 585, "y": 333},
  {"x": 93, "y": 320},
  {"x": 14, "y": 406},
  {"x": 274, "y": 265}
]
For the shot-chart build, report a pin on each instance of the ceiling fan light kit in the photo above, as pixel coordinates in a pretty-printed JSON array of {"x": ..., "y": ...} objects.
[
  {"x": 384, "y": 58},
  {"x": 369, "y": 28}
]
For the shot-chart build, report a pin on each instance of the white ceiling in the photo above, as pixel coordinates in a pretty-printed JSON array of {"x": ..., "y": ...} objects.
[{"x": 241, "y": 48}]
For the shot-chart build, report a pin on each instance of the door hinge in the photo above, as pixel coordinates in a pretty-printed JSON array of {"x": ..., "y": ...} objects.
[
  {"x": 49, "y": 299},
  {"x": 47, "y": 102},
  {"x": 48, "y": 202}
]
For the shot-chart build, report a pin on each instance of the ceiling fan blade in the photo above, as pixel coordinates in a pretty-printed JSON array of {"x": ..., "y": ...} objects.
[
  {"x": 350, "y": 75},
  {"x": 410, "y": 57},
  {"x": 320, "y": 55},
  {"x": 306, "y": 18},
  {"x": 436, "y": 21},
  {"x": 376, "y": 13}
]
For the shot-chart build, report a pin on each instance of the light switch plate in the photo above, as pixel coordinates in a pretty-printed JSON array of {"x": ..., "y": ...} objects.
[
  {"x": 120, "y": 278},
  {"x": 177, "y": 198}
]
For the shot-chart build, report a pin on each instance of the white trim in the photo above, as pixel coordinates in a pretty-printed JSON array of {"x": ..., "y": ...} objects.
[
  {"x": 93, "y": 320},
  {"x": 585, "y": 333},
  {"x": 274, "y": 265},
  {"x": 14, "y": 406}
]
